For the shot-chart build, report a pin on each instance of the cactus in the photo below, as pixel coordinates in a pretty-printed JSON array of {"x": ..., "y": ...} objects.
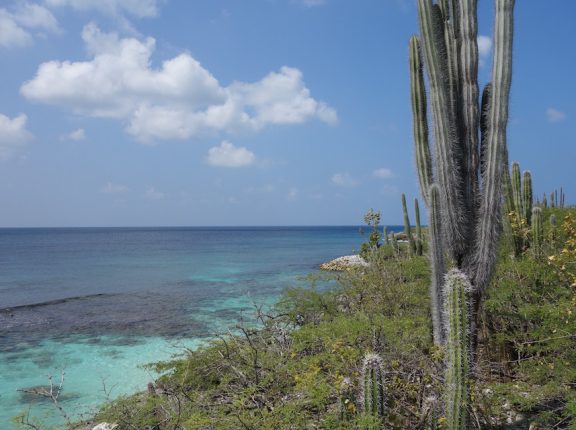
[
  {"x": 517, "y": 189},
  {"x": 537, "y": 232},
  {"x": 467, "y": 171},
  {"x": 552, "y": 200},
  {"x": 419, "y": 240},
  {"x": 438, "y": 267},
  {"x": 527, "y": 199},
  {"x": 385, "y": 235},
  {"x": 458, "y": 354},
  {"x": 372, "y": 378},
  {"x": 544, "y": 201},
  {"x": 407, "y": 230},
  {"x": 394, "y": 242}
]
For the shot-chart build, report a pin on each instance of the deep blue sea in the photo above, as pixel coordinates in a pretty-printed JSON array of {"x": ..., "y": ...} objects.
[{"x": 98, "y": 303}]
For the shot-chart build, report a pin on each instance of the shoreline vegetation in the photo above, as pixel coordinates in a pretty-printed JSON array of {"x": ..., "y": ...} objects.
[{"x": 299, "y": 365}]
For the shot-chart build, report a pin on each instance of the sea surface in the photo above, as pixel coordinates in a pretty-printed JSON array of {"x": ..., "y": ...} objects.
[{"x": 98, "y": 303}]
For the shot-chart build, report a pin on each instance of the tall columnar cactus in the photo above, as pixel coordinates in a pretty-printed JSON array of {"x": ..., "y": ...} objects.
[
  {"x": 419, "y": 239},
  {"x": 552, "y": 204},
  {"x": 537, "y": 232},
  {"x": 385, "y": 235},
  {"x": 372, "y": 379},
  {"x": 458, "y": 354},
  {"x": 469, "y": 135},
  {"x": 407, "y": 229},
  {"x": 561, "y": 197},
  {"x": 527, "y": 198},
  {"x": 544, "y": 201}
]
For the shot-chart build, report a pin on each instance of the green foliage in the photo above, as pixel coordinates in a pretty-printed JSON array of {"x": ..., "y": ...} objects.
[{"x": 372, "y": 220}]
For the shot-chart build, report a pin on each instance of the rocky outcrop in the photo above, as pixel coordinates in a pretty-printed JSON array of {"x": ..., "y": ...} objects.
[{"x": 344, "y": 263}]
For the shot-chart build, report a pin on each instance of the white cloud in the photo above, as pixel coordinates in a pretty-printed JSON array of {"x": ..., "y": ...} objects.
[
  {"x": 484, "y": 48},
  {"x": 383, "y": 173},
  {"x": 111, "y": 188},
  {"x": 136, "y": 8},
  {"x": 292, "y": 193},
  {"x": 555, "y": 115},
  {"x": 13, "y": 134},
  {"x": 343, "y": 180},
  {"x": 228, "y": 155},
  {"x": 76, "y": 135},
  {"x": 15, "y": 26},
  {"x": 180, "y": 100},
  {"x": 153, "y": 194}
]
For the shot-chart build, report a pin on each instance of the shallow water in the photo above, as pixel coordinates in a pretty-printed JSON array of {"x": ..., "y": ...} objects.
[{"x": 97, "y": 303}]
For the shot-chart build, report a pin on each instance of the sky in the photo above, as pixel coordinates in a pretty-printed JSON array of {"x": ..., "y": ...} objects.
[{"x": 244, "y": 112}]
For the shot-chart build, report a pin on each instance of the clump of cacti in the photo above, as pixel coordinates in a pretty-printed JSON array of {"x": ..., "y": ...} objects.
[
  {"x": 419, "y": 238},
  {"x": 518, "y": 204},
  {"x": 458, "y": 353},
  {"x": 407, "y": 229},
  {"x": 372, "y": 388},
  {"x": 469, "y": 135},
  {"x": 537, "y": 232}
]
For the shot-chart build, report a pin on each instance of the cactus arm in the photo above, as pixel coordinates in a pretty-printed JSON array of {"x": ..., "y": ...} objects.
[
  {"x": 469, "y": 91},
  {"x": 488, "y": 228},
  {"x": 420, "y": 124},
  {"x": 437, "y": 263},
  {"x": 448, "y": 172}
]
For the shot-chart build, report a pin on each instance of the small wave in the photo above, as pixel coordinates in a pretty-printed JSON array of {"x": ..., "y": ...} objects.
[{"x": 54, "y": 302}]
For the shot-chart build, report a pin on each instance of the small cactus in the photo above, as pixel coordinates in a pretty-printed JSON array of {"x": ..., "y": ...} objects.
[
  {"x": 372, "y": 379},
  {"x": 346, "y": 394},
  {"x": 527, "y": 199},
  {"x": 458, "y": 356},
  {"x": 537, "y": 232},
  {"x": 407, "y": 230},
  {"x": 419, "y": 240}
]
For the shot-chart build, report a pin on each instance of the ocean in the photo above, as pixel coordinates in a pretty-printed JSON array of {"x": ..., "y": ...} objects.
[{"x": 99, "y": 303}]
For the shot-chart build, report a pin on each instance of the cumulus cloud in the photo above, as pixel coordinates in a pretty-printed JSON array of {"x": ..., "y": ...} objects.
[
  {"x": 179, "y": 100},
  {"x": 484, "y": 48},
  {"x": 228, "y": 155},
  {"x": 76, "y": 135},
  {"x": 111, "y": 188},
  {"x": 555, "y": 115},
  {"x": 16, "y": 25},
  {"x": 343, "y": 180},
  {"x": 383, "y": 173},
  {"x": 13, "y": 134}
]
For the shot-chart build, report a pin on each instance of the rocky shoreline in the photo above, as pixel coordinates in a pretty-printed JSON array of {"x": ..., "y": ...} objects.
[{"x": 346, "y": 262}]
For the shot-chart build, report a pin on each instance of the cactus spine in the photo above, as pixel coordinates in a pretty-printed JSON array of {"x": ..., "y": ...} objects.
[
  {"x": 419, "y": 240},
  {"x": 407, "y": 229},
  {"x": 458, "y": 354},
  {"x": 537, "y": 232},
  {"x": 467, "y": 174},
  {"x": 372, "y": 377}
]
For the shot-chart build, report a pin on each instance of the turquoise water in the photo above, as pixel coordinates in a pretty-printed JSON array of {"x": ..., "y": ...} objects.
[{"x": 98, "y": 303}]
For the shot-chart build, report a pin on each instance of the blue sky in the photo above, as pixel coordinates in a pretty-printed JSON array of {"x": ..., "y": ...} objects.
[{"x": 254, "y": 112}]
